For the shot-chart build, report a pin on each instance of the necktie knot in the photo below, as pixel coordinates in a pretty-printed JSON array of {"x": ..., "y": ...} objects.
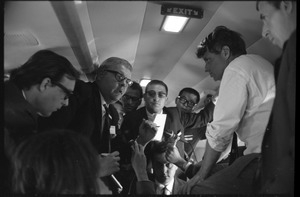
[{"x": 165, "y": 191}]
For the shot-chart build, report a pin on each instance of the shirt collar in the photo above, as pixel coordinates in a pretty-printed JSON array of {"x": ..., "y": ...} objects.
[
  {"x": 160, "y": 186},
  {"x": 23, "y": 93},
  {"x": 102, "y": 99}
]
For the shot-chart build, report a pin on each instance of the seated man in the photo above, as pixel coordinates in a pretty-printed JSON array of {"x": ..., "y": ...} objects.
[{"x": 163, "y": 177}]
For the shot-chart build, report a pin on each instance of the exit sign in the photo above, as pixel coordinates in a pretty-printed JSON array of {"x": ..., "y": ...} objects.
[{"x": 177, "y": 10}]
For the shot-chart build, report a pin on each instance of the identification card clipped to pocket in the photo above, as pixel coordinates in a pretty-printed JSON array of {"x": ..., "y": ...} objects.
[{"x": 112, "y": 130}]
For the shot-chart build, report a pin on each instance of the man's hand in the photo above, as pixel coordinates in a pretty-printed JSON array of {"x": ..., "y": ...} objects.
[
  {"x": 138, "y": 161},
  {"x": 147, "y": 131},
  {"x": 109, "y": 164},
  {"x": 173, "y": 156}
]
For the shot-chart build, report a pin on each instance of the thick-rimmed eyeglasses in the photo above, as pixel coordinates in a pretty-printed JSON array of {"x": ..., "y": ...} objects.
[
  {"x": 119, "y": 77},
  {"x": 184, "y": 101},
  {"x": 132, "y": 98},
  {"x": 67, "y": 92},
  {"x": 152, "y": 94}
]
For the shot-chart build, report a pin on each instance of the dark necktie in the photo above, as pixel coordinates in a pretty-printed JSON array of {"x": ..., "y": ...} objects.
[
  {"x": 105, "y": 137},
  {"x": 165, "y": 191}
]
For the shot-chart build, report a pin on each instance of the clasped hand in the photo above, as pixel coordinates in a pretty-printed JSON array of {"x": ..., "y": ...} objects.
[{"x": 109, "y": 164}]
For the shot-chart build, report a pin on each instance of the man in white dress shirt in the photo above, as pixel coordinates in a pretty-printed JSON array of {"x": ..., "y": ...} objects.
[{"x": 246, "y": 97}]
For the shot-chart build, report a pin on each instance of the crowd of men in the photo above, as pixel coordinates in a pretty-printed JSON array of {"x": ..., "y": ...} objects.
[{"x": 63, "y": 135}]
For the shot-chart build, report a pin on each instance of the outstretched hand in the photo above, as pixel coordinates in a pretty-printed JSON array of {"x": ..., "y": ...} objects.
[
  {"x": 138, "y": 161},
  {"x": 173, "y": 156}
]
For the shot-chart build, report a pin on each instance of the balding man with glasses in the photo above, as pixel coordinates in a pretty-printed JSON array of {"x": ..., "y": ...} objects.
[{"x": 90, "y": 111}]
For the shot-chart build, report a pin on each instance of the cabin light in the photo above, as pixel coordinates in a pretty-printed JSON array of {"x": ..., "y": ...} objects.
[
  {"x": 144, "y": 82},
  {"x": 78, "y": 2},
  {"x": 174, "y": 24}
]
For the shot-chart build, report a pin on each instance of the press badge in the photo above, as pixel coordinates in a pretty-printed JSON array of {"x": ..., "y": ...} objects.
[{"x": 112, "y": 130}]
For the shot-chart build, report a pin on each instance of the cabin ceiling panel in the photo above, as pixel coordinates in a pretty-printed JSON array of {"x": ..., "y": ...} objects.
[
  {"x": 116, "y": 27},
  {"x": 38, "y": 19}
]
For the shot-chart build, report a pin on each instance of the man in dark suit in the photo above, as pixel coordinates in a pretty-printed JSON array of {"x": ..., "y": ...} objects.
[
  {"x": 278, "y": 148},
  {"x": 166, "y": 183},
  {"x": 155, "y": 97},
  {"x": 37, "y": 88},
  {"x": 90, "y": 113},
  {"x": 163, "y": 180},
  {"x": 132, "y": 98},
  {"x": 186, "y": 102}
]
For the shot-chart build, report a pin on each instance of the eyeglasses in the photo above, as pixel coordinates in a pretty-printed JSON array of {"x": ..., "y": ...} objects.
[
  {"x": 119, "y": 77},
  {"x": 127, "y": 97},
  {"x": 152, "y": 94},
  {"x": 184, "y": 101},
  {"x": 67, "y": 92}
]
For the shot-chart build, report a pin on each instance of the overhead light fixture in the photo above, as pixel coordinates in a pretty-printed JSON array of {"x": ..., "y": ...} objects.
[
  {"x": 177, "y": 16},
  {"x": 78, "y": 1},
  {"x": 144, "y": 82},
  {"x": 174, "y": 24}
]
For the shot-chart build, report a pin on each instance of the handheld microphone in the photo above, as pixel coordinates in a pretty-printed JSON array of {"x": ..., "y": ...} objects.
[{"x": 111, "y": 181}]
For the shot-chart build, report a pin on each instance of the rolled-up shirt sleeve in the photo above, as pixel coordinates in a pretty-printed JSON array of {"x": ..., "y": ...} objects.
[{"x": 229, "y": 110}]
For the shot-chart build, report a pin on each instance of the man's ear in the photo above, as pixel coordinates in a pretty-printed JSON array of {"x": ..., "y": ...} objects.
[
  {"x": 140, "y": 101},
  {"x": 286, "y": 6},
  {"x": 46, "y": 82},
  {"x": 176, "y": 100},
  {"x": 225, "y": 52}
]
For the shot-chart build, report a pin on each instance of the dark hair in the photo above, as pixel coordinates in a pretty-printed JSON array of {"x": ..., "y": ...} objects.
[
  {"x": 155, "y": 147},
  {"x": 54, "y": 162},
  {"x": 209, "y": 96},
  {"x": 222, "y": 36},
  {"x": 40, "y": 65},
  {"x": 157, "y": 82},
  {"x": 136, "y": 86},
  {"x": 275, "y": 4},
  {"x": 190, "y": 91}
]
